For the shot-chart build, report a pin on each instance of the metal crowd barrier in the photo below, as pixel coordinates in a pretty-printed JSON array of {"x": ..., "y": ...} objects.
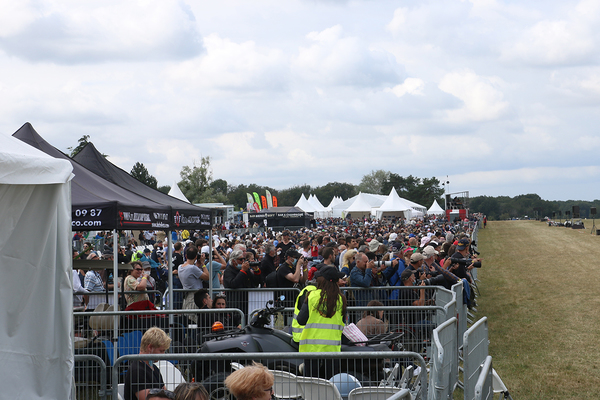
[
  {"x": 484, "y": 386},
  {"x": 371, "y": 369},
  {"x": 443, "y": 375},
  {"x": 475, "y": 351},
  {"x": 90, "y": 381}
]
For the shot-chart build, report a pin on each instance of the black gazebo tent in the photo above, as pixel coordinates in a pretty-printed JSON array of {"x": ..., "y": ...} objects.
[
  {"x": 281, "y": 217},
  {"x": 184, "y": 215}
]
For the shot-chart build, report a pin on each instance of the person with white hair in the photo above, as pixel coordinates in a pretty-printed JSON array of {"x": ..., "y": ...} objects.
[{"x": 239, "y": 275}]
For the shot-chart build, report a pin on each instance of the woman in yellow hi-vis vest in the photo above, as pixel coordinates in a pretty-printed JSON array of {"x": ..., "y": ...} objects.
[{"x": 323, "y": 314}]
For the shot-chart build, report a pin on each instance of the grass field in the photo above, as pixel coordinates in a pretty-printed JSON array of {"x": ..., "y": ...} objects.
[{"x": 540, "y": 289}]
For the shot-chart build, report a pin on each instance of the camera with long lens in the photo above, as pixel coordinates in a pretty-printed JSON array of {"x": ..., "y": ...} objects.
[
  {"x": 465, "y": 262},
  {"x": 438, "y": 280},
  {"x": 254, "y": 263},
  {"x": 380, "y": 263},
  {"x": 309, "y": 258}
]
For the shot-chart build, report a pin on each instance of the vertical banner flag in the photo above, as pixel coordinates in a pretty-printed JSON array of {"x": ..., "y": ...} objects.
[
  {"x": 263, "y": 200},
  {"x": 274, "y": 201},
  {"x": 269, "y": 199},
  {"x": 256, "y": 207},
  {"x": 257, "y": 199},
  {"x": 250, "y": 199}
]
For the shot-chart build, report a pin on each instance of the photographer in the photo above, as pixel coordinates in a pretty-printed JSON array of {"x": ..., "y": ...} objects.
[{"x": 462, "y": 251}]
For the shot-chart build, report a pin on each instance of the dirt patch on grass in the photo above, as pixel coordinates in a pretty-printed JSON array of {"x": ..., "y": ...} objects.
[{"x": 539, "y": 289}]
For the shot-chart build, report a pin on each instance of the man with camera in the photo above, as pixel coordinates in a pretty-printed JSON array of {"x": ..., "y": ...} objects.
[
  {"x": 289, "y": 273},
  {"x": 464, "y": 261}
]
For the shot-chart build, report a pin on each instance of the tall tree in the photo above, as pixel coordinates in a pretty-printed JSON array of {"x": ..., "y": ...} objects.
[
  {"x": 196, "y": 179},
  {"x": 140, "y": 172},
  {"x": 164, "y": 189},
  {"x": 81, "y": 144},
  {"x": 327, "y": 192},
  {"x": 373, "y": 182}
]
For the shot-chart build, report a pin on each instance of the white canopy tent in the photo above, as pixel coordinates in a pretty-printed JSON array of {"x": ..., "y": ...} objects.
[
  {"x": 177, "y": 193},
  {"x": 304, "y": 205},
  {"x": 362, "y": 205},
  {"x": 36, "y": 353},
  {"x": 435, "y": 209},
  {"x": 394, "y": 206},
  {"x": 320, "y": 210}
]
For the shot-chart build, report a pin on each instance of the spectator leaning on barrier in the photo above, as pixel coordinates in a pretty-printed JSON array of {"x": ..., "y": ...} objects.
[
  {"x": 190, "y": 276},
  {"x": 137, "y": 280},
  {"x": 362, "y": 276},
  {"x": 239, "y": 275}
]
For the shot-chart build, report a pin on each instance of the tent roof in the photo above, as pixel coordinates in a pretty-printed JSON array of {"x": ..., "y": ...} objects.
[
  {"x": 314, "y": 201},
  {"x": 435, "y": 208},
  {"x": 25, "y": 165},
  {"x": 304, "y": 204},
  {"x": 93, "y": 160},
  {"x": 96, "y": 203},
  {"x": 394, "y": 203},
  {"x": 335, "y": 201},
  {"x": 177, "y": 193},
  {"x": 365, "y": 202}
]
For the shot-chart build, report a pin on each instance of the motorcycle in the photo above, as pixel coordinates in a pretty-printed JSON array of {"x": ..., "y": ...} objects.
[{"x": 258, "y": 337}]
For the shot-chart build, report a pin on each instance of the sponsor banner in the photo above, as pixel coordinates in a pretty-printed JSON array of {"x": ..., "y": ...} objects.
[
  {"x": 257, "y": 199},
  {"x": 269, "y": 199},
  {"x": 185, "y": 219}
]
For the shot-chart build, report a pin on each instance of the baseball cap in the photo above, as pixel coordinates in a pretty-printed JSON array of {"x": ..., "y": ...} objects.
[
  {"x": 329, "y": 273},
  {"x": 463, "y": 244},
  {"x": 416, "y": 257}
]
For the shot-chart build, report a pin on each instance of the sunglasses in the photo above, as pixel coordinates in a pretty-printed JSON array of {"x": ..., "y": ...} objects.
[
  {"x": 270, "y": 390},
  {"x": 138, "y": 269},
  {"x": 162, "y": 392}
]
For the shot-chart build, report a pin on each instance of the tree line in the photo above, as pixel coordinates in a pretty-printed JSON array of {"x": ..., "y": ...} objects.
[{"x": 531, "y": 205}]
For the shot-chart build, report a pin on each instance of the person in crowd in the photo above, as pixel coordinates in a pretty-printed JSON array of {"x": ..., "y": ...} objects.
[
  {"x": 305, "y": 251},
  {"x": 143, "y": 376},
  {"x": 94, "y": 283},
  {"x": 228, "y": 320},
  {"x": 80, "y": 299},
  {"x": 253, "y": 382},
  {"x": 132, "y": 284},
  {"x": 160, "y": 394},
  {"x": 322, "y": 315},
  {"x": 362, "y": 276},
  {"x": 238, "y": 275},
  {"x": 203, "y": 301},
  {"x": 283, "y": 246},
  {"x": 348, "y": 260},
  {"x": 177, "y": 260},
  {"x": 190, "y": 276},
  {"x": 372, "y": 322},
  {"x": 267, "y": 265},
  {"x": 150, "y": 283},
  {"x": 351, "y": 244},
  {"x": 191, "y": 391},
  {"x": 462, "y": 251}
]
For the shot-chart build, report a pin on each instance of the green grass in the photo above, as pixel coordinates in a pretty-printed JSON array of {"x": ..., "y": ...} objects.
[{"x": 539, "y": 289}]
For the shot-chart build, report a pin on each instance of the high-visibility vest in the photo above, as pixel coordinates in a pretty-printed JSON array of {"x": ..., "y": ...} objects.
[
  {"x": 321, "y": 334},
  {"x": 296, "y": 327}
]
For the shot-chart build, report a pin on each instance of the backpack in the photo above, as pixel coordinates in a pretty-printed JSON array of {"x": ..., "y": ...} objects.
[{"x": 271, "y": 279}]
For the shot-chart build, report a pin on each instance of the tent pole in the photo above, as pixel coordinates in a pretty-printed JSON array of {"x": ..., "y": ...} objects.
[
  {"x": 210, "y": 259},
  {"x": 115, "y": 292},
  {"x": 170, "y": 276}
]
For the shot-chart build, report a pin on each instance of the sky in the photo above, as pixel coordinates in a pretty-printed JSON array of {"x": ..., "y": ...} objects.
[{"x": 498, "y": 98}]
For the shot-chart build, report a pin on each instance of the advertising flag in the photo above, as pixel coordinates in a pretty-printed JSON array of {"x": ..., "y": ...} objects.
[
  {"x": 274, "y": 201},
  {"x": 269, "y": 199},
  {"x": 250, "y": 199},
  {"x": 263, "y": 200},
  {"x": 257, "y": 199}
]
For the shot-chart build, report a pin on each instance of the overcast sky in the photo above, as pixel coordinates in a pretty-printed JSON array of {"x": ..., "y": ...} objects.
[{"x": 500, "y": 96}]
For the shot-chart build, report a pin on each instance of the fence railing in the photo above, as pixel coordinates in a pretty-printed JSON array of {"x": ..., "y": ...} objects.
[
  {"x": 211, "y": 369},
  {"x": 89, "y": 376}
]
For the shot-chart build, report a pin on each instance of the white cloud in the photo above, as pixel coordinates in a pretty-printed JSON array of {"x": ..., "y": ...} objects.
[
  {"x": 569, "y": 40},
  {"x": 228, "y": 66},
  {"x": 481, "y": 98},
  {"x": 76, "y": 32},
  {"x": 337, "y": 59},
  {"x": 398, "y": 21},
  {"x": 412, "y": 86}
]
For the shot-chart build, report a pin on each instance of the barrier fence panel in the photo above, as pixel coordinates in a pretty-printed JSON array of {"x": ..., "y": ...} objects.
[
  {"x": 443, "y": 375},
  {"x": 186, "y": 337},
  {"x": 475, "y": 351},
  {"x": 461, "y": 311},
  {"x": 484, "y": 387},
  {"x": 89, "y": 375},
  {"x": 306, "y": 375}
]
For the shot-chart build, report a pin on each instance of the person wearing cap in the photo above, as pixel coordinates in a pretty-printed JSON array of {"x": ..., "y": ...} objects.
[
  {"x": 416, "y": 261},
  {"x": 323, "y": 314},
  {"x": 462, "y": 251}
]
